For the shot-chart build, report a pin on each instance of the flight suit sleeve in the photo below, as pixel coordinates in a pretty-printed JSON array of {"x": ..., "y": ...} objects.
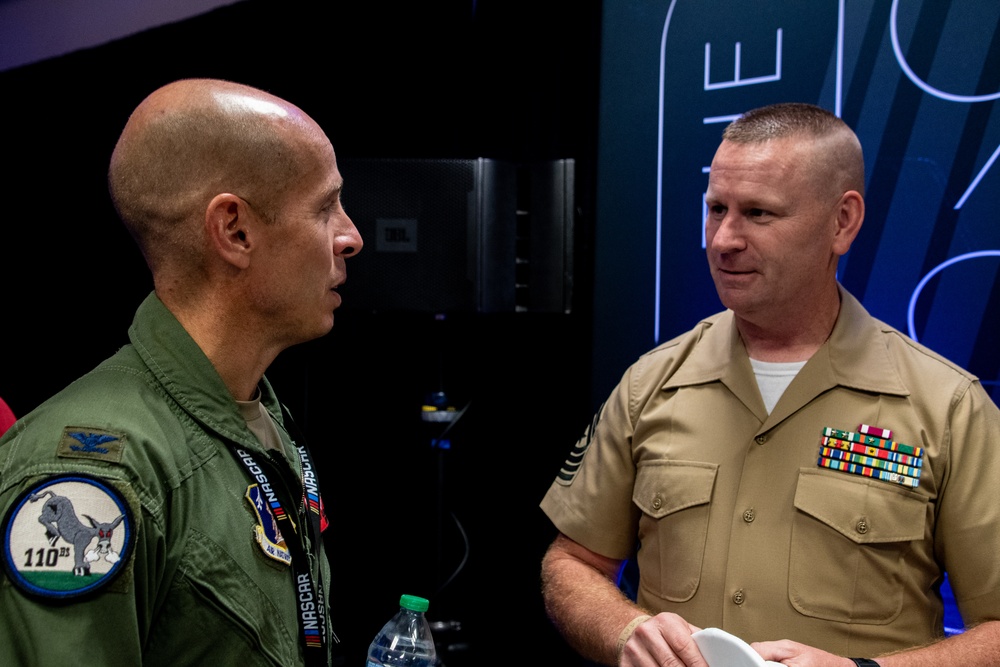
[{"x": 71, "y": 593}]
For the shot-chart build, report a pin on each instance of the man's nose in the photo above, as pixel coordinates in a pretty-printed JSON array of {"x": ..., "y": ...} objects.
[
  {"x": 725, "y": 235},
  {"x": 349, "y": 242}
]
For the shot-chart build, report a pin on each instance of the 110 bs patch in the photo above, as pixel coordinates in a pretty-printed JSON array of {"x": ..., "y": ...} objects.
[{"x": 67, "y": 536}]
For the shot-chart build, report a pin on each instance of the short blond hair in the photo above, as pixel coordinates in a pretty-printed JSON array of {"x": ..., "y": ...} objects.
[{"x": 839, "y": 158}]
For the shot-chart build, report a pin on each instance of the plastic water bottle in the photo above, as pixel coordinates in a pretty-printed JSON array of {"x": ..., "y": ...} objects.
[{"x": 405, "y": 641}]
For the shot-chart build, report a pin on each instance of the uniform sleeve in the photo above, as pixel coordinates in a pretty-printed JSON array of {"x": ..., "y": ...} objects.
[
  {"x": 71, "y": 541},
  {"x": 968, "y": 527},
  {"x": 591, "y": 499}
]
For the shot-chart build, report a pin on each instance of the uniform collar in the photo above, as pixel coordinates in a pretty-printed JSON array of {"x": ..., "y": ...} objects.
[
  {"x": 856, "y": 353},
  {"x": 188, "y": 376},
  {"x": 854, "y": 356}
]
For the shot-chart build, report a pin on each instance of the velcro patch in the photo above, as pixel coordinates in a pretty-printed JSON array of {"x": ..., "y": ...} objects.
[
  {"x": 266, "y": 532},
  {"x": 89, "y": 443},
  {"x": 67, "y": 536}
]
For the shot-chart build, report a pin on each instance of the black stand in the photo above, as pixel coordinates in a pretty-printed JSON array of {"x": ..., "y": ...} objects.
[{"x": 440, "y": 416}]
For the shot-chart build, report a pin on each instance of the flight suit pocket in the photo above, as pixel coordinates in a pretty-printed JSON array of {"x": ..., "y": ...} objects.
[
  {"x": 849, "y": 537},
  {"x": 221, "y": 595},
  {"x": 675, "y": 498}
]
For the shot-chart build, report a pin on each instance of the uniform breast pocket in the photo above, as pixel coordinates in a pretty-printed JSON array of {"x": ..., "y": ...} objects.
[
  {"x": 221, "y": 595},
  {"x": 674, "y": 497},
  {"x": 849, "y": 538}
]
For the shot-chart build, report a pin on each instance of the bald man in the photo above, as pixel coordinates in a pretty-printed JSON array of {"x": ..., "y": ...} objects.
[
  {"x": 790, "y": 471},
  {"x": 162, "y": 509}
]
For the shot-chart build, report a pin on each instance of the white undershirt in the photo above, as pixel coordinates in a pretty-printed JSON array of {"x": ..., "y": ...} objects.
[{"x": 773, "y": 377}]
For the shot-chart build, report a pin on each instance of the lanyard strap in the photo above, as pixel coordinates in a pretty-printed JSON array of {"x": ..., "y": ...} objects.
[{"x": 308, "y": 588}]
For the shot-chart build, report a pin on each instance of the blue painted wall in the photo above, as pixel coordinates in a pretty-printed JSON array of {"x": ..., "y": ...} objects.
[{"x": 917, "y": 80}]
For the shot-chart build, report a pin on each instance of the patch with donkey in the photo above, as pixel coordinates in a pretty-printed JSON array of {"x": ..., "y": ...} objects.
[{"x": 67, "y": 536}]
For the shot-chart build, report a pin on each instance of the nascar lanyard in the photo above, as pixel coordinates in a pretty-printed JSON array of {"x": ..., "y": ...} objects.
[{"x": 308, "y": 591}]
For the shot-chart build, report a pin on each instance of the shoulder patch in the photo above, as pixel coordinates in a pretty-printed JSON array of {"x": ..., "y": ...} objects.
[
  {"x": 266, "y": 532},
  {"x": 88, "y": 443},
  {"x": 67, "y": 536}
]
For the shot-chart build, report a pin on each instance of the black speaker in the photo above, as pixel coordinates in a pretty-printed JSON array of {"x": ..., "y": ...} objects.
[{"x": 459, "y": 235}]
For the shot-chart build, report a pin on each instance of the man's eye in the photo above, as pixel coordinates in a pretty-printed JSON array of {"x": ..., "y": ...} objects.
[
  {"x": 717, "y": 209},
  {"x": 756, "y": 213}
]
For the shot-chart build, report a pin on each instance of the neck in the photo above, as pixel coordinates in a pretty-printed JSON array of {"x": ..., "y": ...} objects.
[
  {"x": 786, "y": 338},
  {"x": 237, "y": 354}
]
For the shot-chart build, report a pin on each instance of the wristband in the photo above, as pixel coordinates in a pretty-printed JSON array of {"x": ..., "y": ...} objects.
[
  {"x": 627, "y": 632},
  {"x": 864, "y": 662}
]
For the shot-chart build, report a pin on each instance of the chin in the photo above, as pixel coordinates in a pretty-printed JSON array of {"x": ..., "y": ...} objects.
[
  {"x": 325, "y": 328},
  {"x": 319, "y": 329},
  {"x": 737, "y": 302}
]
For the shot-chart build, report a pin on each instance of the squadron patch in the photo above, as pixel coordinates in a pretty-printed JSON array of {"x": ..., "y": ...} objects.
[
  {"x": 266, "y": 532},
  {"x": 67, "y": 536}
]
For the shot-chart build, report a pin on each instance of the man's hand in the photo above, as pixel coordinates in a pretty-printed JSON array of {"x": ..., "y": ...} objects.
[
  {"x": 662, "y": 641},
  {"x": 795, "y": 654}
]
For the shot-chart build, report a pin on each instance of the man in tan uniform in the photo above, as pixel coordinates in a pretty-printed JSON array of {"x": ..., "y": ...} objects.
[{"x": 791, "y": 470}]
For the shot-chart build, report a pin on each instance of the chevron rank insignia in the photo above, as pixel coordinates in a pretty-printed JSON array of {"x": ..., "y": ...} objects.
[{"x": 569, "y": 469}]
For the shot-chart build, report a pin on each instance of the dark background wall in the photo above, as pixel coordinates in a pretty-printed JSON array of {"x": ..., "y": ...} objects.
[{"x": 511, "y": 80}]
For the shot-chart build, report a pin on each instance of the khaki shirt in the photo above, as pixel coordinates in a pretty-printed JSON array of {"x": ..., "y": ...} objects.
[{"x": 738, "y": 527}]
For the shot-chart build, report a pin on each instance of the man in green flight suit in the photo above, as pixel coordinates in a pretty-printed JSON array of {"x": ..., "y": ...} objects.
[{"x": 162, "y": 508}]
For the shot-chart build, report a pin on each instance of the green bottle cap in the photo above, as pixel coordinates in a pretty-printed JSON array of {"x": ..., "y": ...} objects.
[{"x": 414, "y": 603}]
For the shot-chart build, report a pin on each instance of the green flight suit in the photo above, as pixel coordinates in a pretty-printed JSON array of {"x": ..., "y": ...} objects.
[{"x": 154, "y": 428}]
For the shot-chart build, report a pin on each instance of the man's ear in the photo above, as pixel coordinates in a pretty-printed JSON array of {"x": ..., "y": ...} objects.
[
  {"x": 227, "y": 227},
  {"x": 850, "y": 215}
]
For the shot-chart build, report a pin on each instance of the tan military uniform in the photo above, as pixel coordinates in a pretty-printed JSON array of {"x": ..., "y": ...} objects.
[{"x": 738, "y": 527}]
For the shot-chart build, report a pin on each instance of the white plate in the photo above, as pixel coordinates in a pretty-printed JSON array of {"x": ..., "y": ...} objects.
[{"x": 722, "y": 649}]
